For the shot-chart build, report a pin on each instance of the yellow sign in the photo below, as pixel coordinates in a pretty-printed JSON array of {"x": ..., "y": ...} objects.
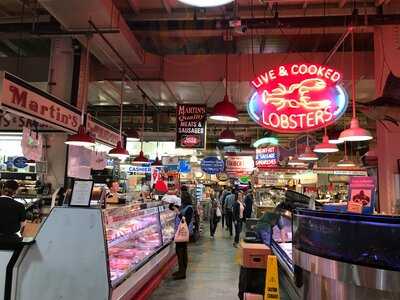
[{"x": 272, "y": 280}]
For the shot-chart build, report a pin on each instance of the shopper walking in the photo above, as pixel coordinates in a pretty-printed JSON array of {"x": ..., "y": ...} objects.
[
  {"x": 228, "y": 208},
  {"x": 222, "y": 199},
  {"x": 238, "y": 210},
  {"x": 248, "y": 205},
  {"x": 215, "y": 216},
  {"x": 186, "y": 210}
]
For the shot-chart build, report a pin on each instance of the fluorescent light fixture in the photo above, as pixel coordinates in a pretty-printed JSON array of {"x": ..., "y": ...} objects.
[{"x": 205, "y": 3}]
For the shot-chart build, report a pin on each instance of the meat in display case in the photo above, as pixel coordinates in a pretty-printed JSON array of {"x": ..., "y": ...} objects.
[
  {"x": 133, "y": 236},
  {"x": 167, "y": 218}
]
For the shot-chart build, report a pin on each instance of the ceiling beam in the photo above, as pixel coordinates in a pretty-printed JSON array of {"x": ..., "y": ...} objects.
[
  {"x": 342, "y": 3},
  {"x": 167, "y": 6},
  {"x": 135, "y": 6}
]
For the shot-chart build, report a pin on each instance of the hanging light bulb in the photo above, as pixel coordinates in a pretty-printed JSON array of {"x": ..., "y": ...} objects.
[
  {"x": 157, "y": 162},
  {"x": 120, "y": 152},
  {"x": 355, "y": 133},
  {"x": 206, "y": 3},
  {"x": 225, "y": 110},
  {"x": 82, "y": 138},
  {"x": 294, "y": 161},
  {"x": 227, "y": 136},
  {"x": 346, "y": 162},
  {"x": 308, "y": 155},
  {"x": 325, "y": 146},
  {"x": 141, "y": 158}
]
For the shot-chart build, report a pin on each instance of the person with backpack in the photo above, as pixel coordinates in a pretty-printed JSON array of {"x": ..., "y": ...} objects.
[{"x": 185, "y": 211}]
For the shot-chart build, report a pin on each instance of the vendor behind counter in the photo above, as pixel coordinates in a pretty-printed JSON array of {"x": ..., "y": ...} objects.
[{"x": 12, "y": 213}]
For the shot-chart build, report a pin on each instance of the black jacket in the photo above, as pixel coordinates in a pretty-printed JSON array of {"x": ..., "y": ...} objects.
[
  {"x": 248, "y": 206},
  {"x": 236, "y": 211}
]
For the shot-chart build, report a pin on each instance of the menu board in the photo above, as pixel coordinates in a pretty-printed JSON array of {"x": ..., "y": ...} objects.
[
  {"x": 81, "y": 193},
  {"x": 191, "y": 126},
  {"x": 239, "y": 165}
]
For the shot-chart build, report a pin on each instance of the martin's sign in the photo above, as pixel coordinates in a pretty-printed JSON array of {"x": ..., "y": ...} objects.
[
  {"x": 297, "y": 98},
  {"x": 29, "y": 103},
  {"x": 191, "y": 126},
  {"x": 23, "y": 99}
]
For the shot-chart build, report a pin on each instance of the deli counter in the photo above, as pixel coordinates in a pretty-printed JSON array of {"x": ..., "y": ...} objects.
[{"x": 87, "y": 253}]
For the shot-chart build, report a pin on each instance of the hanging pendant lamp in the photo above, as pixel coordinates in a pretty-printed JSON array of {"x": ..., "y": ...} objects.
[
  {"x": 225, "y": 111},
  {"x": 308, "y": 155},
  {"x": 227, "y": 136},
  {"x": 325, "y": 146},
  {"x": 346, "y": 162},
  {"x": 355, "y": 133},
  {"x": 82, "y": 137},
  {"x": 157, "y": 162},
  {"x": 334, "y": 138},
  {"x": 294, "y": 161},
  {"x": 120, "y": 152},
  {"x": 140, "y": 159},
  {"x": 206, "y": 3}
]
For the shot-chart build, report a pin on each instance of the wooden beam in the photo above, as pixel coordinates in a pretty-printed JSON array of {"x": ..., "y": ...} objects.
[
  {"x": 167, "y": 6},
  {"x": 135, "y": 6},
  {"x": 342, "y": 3}
]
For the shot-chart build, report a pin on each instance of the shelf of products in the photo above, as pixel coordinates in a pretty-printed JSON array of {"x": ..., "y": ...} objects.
[{"x": 134, "y": 236}]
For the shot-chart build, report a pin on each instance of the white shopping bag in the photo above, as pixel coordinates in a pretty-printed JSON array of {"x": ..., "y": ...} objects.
[{"x": 182, "y": 233}]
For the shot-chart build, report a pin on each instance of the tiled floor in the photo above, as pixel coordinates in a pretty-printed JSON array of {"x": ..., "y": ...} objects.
[{"x": 212, "y": 273}]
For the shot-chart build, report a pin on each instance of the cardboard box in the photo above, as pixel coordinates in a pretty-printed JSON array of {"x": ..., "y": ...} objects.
[{"x": 254, "y": 255}]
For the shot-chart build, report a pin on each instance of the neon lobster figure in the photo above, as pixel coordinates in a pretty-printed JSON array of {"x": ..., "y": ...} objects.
[{"x": 278, "y": 96}]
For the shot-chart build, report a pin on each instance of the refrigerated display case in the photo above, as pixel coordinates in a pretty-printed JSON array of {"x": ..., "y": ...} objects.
[{"x": 116, "y": 253}]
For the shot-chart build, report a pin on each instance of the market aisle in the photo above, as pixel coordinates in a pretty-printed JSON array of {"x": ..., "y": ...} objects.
[{"x": 212, "y": 273}]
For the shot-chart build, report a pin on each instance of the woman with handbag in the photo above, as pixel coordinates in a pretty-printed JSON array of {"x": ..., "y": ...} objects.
[
  {"x": 183, "y": 228},
  {"x": 215, "y": 216}
]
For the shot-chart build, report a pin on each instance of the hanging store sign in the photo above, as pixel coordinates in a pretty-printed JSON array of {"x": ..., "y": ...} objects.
[
  {"x": 267, "y": 157},
  {"x": 21, "y": 98},
  {"x": 103, "y": 132},
  {"x": 297, "y": 98},
  {"x": 212, "y": 165},
  {"x": 191, "y": 126},
  {"x": 239, "y": 165}
]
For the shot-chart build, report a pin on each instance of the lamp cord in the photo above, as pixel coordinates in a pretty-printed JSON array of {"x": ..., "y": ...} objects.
[
  {"x": 226, "y": 72},
  {"x": 143, "y": 111},
  {"x": 353, "y": 73},
  {"x": 121, "y": 105}
]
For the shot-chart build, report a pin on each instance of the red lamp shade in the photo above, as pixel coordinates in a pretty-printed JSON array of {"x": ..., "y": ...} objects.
[
  {"x": 346, "y": 162},
  {"x": 308, "y": 155},
  {"x": 325, "y": 146},
  {"x": 157, "y": 163},
  {"x": 334, "y": 138},
  {"x": 355, "y": 133},
  {"x": 227, "y": 136},
  {"x": 140, "y": 158},
  {"x": 225, "y": 111},
  {"x": 81, "y": 138},
  {"x": 133, "y": 135},
  {"x": 119, "y": 152}
]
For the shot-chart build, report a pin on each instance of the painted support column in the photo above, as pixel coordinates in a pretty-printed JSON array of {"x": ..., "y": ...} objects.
[
  {"x": 61, "y": 68},
  {"x": 387, "y": 52},
  {"x": 59, "y": 84}
]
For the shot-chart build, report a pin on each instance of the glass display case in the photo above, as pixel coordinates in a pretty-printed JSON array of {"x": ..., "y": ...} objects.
[
  {"x": 167, "y": 218},
  {"x": 134, "y": 236}
]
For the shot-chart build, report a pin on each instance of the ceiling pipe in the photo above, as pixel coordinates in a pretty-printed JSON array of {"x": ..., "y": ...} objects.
[{"x": 126, "y": 65}]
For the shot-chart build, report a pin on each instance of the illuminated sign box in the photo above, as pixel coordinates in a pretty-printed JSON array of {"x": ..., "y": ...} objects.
[
  {"x": 297, "y": 98},
  {"x": 267, "y": 157}
]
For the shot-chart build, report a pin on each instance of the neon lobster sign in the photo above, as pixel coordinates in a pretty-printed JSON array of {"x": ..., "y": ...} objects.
[{"x": 297, "y": 98}]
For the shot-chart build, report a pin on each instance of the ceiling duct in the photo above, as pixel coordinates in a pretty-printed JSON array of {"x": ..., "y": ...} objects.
[{"x": 74, "y": 15}]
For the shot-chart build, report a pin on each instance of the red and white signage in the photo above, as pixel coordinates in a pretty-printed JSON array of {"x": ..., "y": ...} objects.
[
  {"x": 239, "y": 165},
  {"x": 23, "y": 99},
  {"x": 102, "y": 133},
  {"x": 298, "y": 98}
]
